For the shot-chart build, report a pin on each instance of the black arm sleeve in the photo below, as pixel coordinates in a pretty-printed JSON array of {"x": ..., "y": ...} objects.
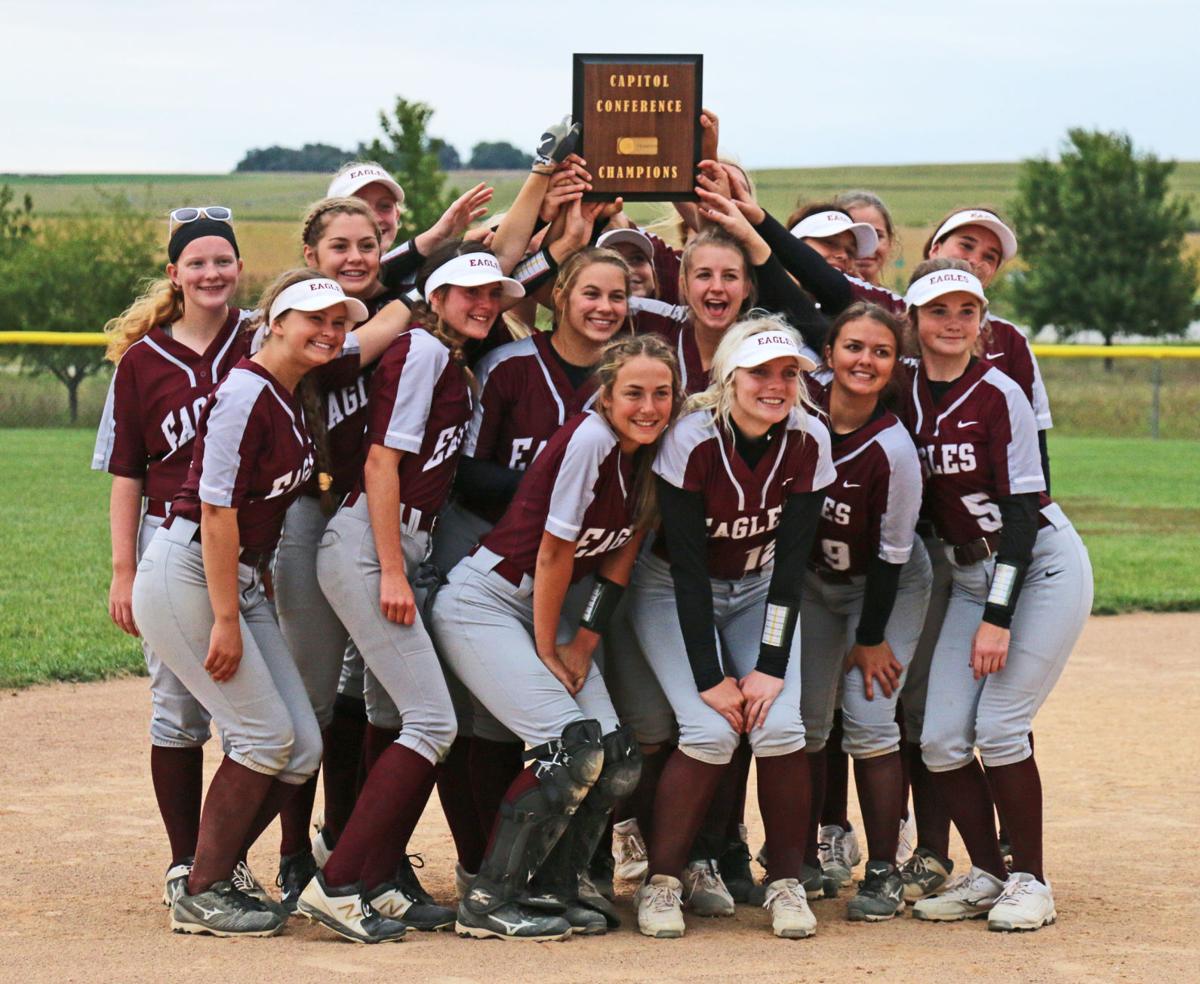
[
  {"x": 879, "y": 596},
  {"x": 793, "y": 545},
  {"x": 401, "y": 268},
  {"x": 1019, "y": 514},
  {"x": 828, "y": 286},
  {"x": 778, "y": 292},
  {"x": 686, "y": 534},
  {"x": 1044, "y": 451},
  {"x": 480, "y": 484}
]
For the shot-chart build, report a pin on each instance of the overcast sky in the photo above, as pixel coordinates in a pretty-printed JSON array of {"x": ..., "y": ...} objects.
[{"x": 140, "y": 86}]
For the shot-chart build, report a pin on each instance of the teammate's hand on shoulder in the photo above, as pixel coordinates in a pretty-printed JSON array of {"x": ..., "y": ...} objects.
[
  {"x": 760, "y": 691},
  {"x": 875, "y": 663},
  {"x": 120, "y": 603},
  {"x": 989, "y": 649},
  {"x": 396, "y": 598},
  {"x": 727, "y": 699},
  {"x": 224, "y": 650}
]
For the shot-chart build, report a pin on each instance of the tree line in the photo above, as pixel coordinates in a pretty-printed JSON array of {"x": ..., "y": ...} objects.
[
  {"x": 319, "y": 157},
  {"x": 1102, "y": 244}
]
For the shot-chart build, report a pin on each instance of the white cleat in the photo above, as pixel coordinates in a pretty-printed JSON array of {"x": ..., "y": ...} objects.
[
  {"x": 791, "y": 918},
  {"x": 969, "y": 896},
  {"x": 1025, "y": 904},
  {"x": 629, "y": 851},
  {"x": 660, "y": 907},
  {"x": 908, "y": 840}
]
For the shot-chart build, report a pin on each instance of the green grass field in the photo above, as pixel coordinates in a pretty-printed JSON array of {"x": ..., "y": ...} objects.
[{"x": 1134, "y": 501}]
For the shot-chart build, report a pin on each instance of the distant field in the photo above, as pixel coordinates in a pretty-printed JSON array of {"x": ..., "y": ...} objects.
[{"x": 1133, "y": 501}]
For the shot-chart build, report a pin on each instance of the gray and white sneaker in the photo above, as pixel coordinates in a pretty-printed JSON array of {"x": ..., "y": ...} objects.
[
  {"x": 629, "y": 850},
  {"x": 880, "y": 895},
  {"x": 1025, "y": 904},
  {"x": 660, "y": 908},
  {"x": 175, "y": 882},
  {"x": 396, "y": 901},
  {"x": 836, "y": 865},
  {"x": 462, "y": 881},
  {"x": 485, "y": 915},
  {"x": 969, "y": 896},
  {"x": 791, "y": 918},
  {"x": 244, "y": 881},
  {"x": 703, "y": 890},
  {"x": 344, "y": 910},
  {"x": 924, "y": 873},
  {"x": 223, "y": 910}
]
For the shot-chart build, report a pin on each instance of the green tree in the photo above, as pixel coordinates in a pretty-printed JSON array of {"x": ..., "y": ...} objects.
[
  {"x": 1103, "y": 242},
  {"x": 16, "y": 221},
  {"x": 73, "y": 275},
  {"x": 411, "y": 154},
  {"x": 497, "y": 156}
]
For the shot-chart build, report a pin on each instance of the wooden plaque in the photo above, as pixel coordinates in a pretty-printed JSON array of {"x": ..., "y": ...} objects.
[{"x": 641, "y": 124}]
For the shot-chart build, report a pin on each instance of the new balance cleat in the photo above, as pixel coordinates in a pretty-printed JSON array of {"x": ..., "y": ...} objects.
[
  {"x": 344, "y": 910},
  {"x": 396, "y": 901}
]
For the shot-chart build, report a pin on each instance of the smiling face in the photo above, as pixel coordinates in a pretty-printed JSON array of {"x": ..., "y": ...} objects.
[
  {"x": 870, "y": 268},
  {"x": 948, "y": 326},
  {"x": 383, "y": 204},
  {"x": 976, "y": 244},
  {"x": 597, "y": 304},
  {"x": 715, "y": 287},
  {"x": 468, "y": 311},
  {"x": 863, "y": 356},
  {"x": 207, "y": 274},
  {"x": 763, "y": 395},
  {"x": 839, "y": 251},
  {"x": 639, "y": 403},
  {"x": 641, "y": 270},
  {"x": 311, "y": 338},
  {"x": 348, "y": 252}
]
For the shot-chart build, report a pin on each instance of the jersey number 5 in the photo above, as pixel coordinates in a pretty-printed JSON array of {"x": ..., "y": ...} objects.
[{"x": 986, "y": 512}]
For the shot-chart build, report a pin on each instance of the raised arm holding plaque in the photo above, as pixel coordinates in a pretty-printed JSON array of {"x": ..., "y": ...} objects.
[{"x": 641, "y": 124}]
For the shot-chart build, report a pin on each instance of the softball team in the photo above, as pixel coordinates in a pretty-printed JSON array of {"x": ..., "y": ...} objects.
[{"x": 487, "y": 552}]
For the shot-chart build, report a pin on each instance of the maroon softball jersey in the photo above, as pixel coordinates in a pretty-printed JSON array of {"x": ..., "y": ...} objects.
[
  {"x": 674, "y": 327},
  {"x": 157, "y": 392},
  {"x": 1004, "y": 346},
  {"x": 524, "y": 397},
  {"x": 580, "y": 489},
  {"x": 871, "y": 508},
  {"x": 978, "y": 443},
  {"x": 742, "y": 506},
  {"x": 252, "y": 454},
  {"x": 420, "y": 404}
]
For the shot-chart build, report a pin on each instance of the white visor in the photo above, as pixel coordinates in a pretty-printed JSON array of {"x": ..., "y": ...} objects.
[
  {"x": 317, "y": 295},
  {"x": 472, "y": 270},
  {"x": 826, "y": 224},
  {"x": 933, "y": 285},
  {"x": 974, "y": 216},
  {"x": 757, "y": 349},
  {"x": 634, "y": 237},
  {"x": 348, "y": 182}
]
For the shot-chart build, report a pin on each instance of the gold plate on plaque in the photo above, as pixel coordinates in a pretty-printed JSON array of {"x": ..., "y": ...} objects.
[{"x": 637, "y": 145}]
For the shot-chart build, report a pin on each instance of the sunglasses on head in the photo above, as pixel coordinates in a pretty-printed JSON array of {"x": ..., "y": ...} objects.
[{"x": 190, "y": 213}]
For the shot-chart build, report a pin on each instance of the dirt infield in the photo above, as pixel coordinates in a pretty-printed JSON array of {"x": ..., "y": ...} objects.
[{"x": 82, "y": 857}]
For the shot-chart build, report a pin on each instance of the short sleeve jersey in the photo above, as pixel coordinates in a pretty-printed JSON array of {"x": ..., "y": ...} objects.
[
  {"x": 676, "y": 331},
  {"x": 580, "y": 489},
  {"x": 889, "y": 300},
  {"x": 252, "y": 454},
  {"x": 154, "y": 401},
  {"x": 743, "y": 506},
  {"x": 524, "y": 397},
  {"x": 871, "y": 509},
  {"x": 1006, "y": 347},
  {"x": 420, "y": 404},
  {"x": 978, "y": 444}
]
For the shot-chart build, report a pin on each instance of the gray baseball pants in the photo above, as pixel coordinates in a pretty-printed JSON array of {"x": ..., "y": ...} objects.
[{"x": 263, "y": 712}]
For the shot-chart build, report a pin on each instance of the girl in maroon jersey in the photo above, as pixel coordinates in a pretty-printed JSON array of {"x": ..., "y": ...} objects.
[
  {"x": 1022, "y": 592},
  {"x": 866, "y": 206},
  {"x": 172, "y": 346},
  {"x": 199, "y": 597},
  {"x": 509, "y": 624},
  {"x": 737, "y": 481},
  {"x": 417, "y": 415},
  {"x": 865, "y": 595}
]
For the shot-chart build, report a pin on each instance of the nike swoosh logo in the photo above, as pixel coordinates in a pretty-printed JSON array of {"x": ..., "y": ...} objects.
[
  {"x": 993, "y": 355},
  {"x": 1053, "y": 573},
  {"x": 851, "y": 485},
  {"x": 967, "y": 423}
]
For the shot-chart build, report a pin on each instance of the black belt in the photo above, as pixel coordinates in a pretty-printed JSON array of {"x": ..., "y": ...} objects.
[
  {"x": 831, "y": 577},
  {"x": 966, "y": 554},
  {"x": 159, "y": 508},
  {"x": 258, "y": 559}
]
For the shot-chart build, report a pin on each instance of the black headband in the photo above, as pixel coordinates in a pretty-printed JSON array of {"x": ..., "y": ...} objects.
[{"x": 202, "y": 227}]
